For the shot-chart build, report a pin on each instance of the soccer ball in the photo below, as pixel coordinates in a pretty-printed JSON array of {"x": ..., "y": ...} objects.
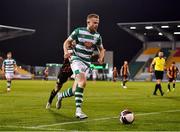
[{"x": 126, "y": 117}]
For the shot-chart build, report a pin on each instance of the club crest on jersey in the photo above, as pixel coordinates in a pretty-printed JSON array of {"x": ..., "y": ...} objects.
[{"x": 88, "y": 44}]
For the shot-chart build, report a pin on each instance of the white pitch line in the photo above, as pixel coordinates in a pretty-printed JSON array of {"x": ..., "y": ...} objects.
[
  {"x": 100, "y": 119},
  {"x": 43, "y": 127},
  {"x": 47, "y": 129}
]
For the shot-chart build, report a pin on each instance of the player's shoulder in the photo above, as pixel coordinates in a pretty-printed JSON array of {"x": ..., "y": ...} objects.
[
  {"x": 155, "y": 58},
  {"x": 80, "y": 28},
  {"x": 5, "y": 60}
]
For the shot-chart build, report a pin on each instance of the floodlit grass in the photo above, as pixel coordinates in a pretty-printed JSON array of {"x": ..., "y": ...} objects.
[{"x": 24, "y": 107}]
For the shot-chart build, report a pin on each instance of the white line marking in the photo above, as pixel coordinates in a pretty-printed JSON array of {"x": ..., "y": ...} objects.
[
  {"x": 43, "y": 127},
  {"x": 35, "y": 128},
  {"x": 100, "y": 119}
]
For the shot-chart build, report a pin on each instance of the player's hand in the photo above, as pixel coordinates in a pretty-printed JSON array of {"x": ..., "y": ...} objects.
[
  {"x": 67, "y": 55},
  {"x": 170, "y": 76},
  {"x": 150, "y": 70},
  {"x": 3, "y": 75},
  {"x": 100, "y": 61}
]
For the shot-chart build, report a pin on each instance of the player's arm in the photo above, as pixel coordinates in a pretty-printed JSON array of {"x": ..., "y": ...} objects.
[
  {"x": 177, "y": 71},
  {"x": 101, "y": 51},
  {"x": 67, "y": 44},
  {"x": 152, "y": 64},
  {"x": 15, "y": 66},
  {"x": 121, "y": 71},
  {"x": 168, "y": 73},
  {"x": 3, "y": 69},
  {"x": 165, "y": 68}
]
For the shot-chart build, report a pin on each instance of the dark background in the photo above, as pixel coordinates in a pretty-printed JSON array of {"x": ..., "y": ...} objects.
[{"x": 49, "y": 18}]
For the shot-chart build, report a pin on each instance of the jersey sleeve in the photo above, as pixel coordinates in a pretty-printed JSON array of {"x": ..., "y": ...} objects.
[
  {"x": 14, "y": 62},
  {"x": 3, "y": 64},
  {"x": 154, "y": 61},
  {"x": 74, "y": 34},
  {"x": 99, "y": 42}
]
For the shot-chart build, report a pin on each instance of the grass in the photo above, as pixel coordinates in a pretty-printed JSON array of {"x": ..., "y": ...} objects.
[{"x": 24, "y": 107}]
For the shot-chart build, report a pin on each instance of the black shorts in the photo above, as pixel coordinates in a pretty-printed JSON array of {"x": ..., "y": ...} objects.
[
  {"x": 172, "y": 79},
  {"x": 159, "y": 74},
  {"x": 65, "y": 72}
]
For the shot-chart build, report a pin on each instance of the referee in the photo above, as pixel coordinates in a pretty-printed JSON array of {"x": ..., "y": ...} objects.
[{"x": 158, "y": 64}]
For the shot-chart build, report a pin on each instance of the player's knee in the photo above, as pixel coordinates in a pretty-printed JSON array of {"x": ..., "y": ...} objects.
[
  {"x": 158, "y": 81},
  {"x": 81, "y": 80},
  {"x": 58, "y": 86}
]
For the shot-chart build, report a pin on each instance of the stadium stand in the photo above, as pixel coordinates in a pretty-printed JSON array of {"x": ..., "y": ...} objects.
[
  {"x": 23, "y": 74},
  {"x": 134, "y": 68},
  {"x": 142, "y": 62},
  {"x": 140, "y": 67}
]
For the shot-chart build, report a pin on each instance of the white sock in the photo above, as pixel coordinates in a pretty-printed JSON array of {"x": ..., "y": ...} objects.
[{"x": 78, "y": 109}]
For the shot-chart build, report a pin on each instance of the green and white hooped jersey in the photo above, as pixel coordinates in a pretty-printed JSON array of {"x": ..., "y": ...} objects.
[
  {"x": 8, "y": 65},
  {"x": 85, "y": 44}
]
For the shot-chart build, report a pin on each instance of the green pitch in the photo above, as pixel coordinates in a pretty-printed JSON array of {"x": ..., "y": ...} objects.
[{"x": 24, "y": 107}]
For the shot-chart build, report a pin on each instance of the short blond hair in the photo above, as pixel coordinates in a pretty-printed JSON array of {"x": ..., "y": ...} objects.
[{"x": 92, "y": 16}]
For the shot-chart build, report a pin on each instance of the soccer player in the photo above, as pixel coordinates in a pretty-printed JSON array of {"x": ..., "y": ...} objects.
[
  {"x": 63, "y": 75},
  {"x": 46, "y": 73},
  {"x": 115, "y": 74},
  {"x": 124, "y": 72},
  {"x": 87, "y": 38},
  {"x": 172, "y": 72},
  {"x": 159, "y": 65},
  {"x": 8, "y": 68}
]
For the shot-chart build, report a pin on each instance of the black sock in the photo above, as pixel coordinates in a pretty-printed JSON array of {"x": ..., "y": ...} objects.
[
  {"x": 174, "y": 85},
  {"x": 156, "y": 88},
  {"x": 160, "y": 89},
  {"x": 124, "y": 83},
  {"x": 169, "y": 87},
  {"x": 52, "y": 95},
  {"x": 54, "y": 92},
  {"x": 8, "y": 84}
]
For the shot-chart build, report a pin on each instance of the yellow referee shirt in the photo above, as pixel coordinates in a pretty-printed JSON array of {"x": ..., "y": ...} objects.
[{"x": 159, "y": 63}]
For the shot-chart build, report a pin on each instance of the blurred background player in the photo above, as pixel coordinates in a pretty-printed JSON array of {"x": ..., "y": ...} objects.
[
  {"x": 46, "y": 73},
  {"x": 115, "y": 74},
  {"x": 124, "y": 72},
  {"x": 158, "y": 64},
  {"x": 172, "y": 72},
  {"x": 87, "y": 38},
  {"x": 8, "y": 68}
]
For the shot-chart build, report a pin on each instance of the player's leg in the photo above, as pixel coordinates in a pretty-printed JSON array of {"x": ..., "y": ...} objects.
[
  {"x": 160, "y": 87},
  {"x": 124, "y": 81},
  {"x": 174, "y": 84},
  {"x": 62, "y": 78},
  {"x": 8, "y": 85},
  {"x": 159, "y": 77},
  {"x": 80, "y": 70},
  {"x": 8, "y": 78},
  {"x": 156, "y": 88},
  {"x": 81, "y": 83},
  {"x": 169, "y": 85},
  {"x": 67, "y": 93}
]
